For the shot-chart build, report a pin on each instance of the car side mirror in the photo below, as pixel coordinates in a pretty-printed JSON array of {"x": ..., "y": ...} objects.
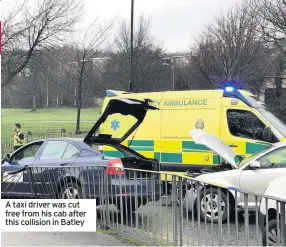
[
  {"x": 267, "y": 134},
  {"x": 6, "y": 158},
  {"x": 254, "y": 165}
]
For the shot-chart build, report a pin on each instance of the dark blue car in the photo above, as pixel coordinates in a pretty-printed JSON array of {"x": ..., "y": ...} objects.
[{"x": 74, "y": 168}]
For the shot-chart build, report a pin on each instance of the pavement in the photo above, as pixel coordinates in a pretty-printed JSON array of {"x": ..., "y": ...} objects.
[
  {"x": 155, "y": 224},
  {"x": 60, "y": 239}
]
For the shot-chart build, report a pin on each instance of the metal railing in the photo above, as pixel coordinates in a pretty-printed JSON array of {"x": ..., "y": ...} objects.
[
  {"x": 133, "y": 203},
  {"x": 7, "y": 141}
]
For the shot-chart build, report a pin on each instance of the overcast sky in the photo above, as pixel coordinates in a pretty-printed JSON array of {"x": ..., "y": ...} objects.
[{"x": 174, "y": 23}]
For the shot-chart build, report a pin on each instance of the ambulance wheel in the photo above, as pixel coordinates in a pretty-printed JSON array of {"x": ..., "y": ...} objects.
[
  {"x": 70, "y": 190},
  {"x": 209, "y": 206}
]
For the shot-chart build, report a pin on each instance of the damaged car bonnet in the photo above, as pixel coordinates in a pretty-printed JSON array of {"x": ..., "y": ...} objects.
[{"x": 215, "y": 144}]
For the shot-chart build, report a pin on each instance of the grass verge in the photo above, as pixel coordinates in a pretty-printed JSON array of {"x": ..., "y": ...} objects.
[{"x": 47, "y": 120}]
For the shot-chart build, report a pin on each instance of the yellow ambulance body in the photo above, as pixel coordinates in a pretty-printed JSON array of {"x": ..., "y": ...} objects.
[{"x": 235, "y": 116}]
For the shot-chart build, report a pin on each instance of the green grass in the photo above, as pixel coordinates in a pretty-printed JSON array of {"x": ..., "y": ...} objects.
[{"x": 45, "y": 120}]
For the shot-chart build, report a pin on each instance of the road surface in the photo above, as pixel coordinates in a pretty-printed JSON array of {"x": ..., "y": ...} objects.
[{"x": 60, "y": 239}]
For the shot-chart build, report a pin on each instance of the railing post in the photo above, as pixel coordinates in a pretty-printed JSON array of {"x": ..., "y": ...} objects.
[
  {"x": 174, "y": 207},
  {"x": 29, "y": 136},
  {"x": 105, "y": 200},
  {"x": 181, "y": 210},
  {"x": 121, "y": 200},
  {"x": 282, "y": 220},
  {"x": 136, "y": 199},
  {"x": 63, "y": 131},
  {"x": 246, "y": 219},
  {"x": 31, "y": 180}
]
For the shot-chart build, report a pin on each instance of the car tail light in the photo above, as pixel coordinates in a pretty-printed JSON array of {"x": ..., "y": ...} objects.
[{"x": 115, "y": 167}]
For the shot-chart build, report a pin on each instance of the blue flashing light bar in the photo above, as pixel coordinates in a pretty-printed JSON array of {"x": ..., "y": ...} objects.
[
  {"x": 229, "y": 89},
  {"x": 232, "y": 92},
  {"x": 110, "y": 93}
]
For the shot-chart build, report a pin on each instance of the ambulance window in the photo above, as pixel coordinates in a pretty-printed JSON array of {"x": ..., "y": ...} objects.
[{"x": 245, "y": 124}]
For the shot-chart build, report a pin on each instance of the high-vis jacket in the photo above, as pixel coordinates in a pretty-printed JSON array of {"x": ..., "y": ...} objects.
[{"x": 22, "y": 137}]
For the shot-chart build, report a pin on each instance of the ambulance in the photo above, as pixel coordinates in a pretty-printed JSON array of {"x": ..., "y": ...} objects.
[{"x": 234, "y": 116}]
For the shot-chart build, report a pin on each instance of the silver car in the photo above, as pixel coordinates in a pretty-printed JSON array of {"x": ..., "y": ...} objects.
[
  {"x": 71, "y": 168},
  {"x": 249, "y": 174},
  {"x": 268, "y": 217}
]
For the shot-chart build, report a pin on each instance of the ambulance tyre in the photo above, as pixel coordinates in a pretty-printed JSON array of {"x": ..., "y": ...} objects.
[
  {"x": 209, "y": 205},
  {"x": 70, "y": 190}
]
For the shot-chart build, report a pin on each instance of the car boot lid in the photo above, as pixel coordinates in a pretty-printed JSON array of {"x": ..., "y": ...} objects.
[
  {"x": 132, "y": 107},
  {"x": 212, "y": 142}
]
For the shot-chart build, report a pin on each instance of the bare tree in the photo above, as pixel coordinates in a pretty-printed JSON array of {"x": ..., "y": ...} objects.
[
  {"x": 30, "y": 87},
  {"x": 93, "y": 43},
  {"x": 231, "y": 49},
  {"x": 272, "y": 19},
  {"x": 148, "y": 72},
  {"x": 12, "y": 28},
  {"x": 50, "y": 80},
  {"x": 41, "y": 27},
  {"x": 271, "y": 15}
]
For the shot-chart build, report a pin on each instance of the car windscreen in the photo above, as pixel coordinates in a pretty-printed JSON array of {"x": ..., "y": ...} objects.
[
  {"x": 253, "y": 156},
  {"x": 267, "y": 114},
  {"x": 271, "y": 118}
]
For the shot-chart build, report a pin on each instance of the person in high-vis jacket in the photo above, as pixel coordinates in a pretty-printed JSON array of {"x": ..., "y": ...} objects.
[{"x": 19, "y": 137}]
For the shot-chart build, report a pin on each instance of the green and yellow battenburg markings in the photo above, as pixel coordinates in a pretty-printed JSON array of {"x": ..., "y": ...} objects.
[{"x": 188, "y": 152}]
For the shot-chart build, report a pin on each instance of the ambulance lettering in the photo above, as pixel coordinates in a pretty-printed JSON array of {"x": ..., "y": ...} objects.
[
  {"x": 155, "y": 103},
  {"x": 194, "y": 102}
]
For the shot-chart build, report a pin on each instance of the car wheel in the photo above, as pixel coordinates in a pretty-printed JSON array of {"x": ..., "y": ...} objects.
[
  {"x": 70, "y": 191},
  {"x": 272, "y": 234},
  {"x": 209, "y": 205},
  {"x": 184, "y": 192}
]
